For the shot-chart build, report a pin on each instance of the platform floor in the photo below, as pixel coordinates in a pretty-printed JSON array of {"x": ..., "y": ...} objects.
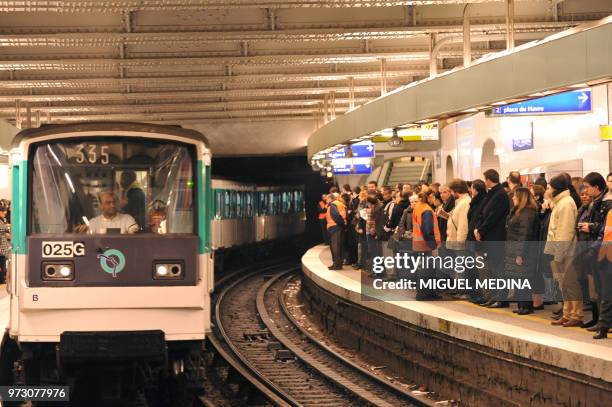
[{"x": 529, "y": 336}]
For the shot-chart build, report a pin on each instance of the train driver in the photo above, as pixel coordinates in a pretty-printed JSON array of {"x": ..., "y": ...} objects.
[{"x": 110, "y": 221}]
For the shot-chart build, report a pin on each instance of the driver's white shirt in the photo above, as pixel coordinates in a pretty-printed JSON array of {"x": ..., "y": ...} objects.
[{"x": 100, "y": 223}]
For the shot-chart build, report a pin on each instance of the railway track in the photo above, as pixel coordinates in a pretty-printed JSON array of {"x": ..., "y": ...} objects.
[{"x": 254, "y": 328}]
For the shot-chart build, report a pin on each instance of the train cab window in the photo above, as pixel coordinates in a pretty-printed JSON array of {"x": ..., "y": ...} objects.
[{"x": 111, "y": 185}]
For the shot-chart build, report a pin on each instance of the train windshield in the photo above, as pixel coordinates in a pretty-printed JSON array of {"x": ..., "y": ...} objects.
[{"x": 112, "y": 186}]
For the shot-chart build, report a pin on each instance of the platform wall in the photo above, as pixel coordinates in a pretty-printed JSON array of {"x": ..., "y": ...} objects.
[{"x": 556, "y": 138}]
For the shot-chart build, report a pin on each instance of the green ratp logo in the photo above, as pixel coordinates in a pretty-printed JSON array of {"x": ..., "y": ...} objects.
[{"x": 112, "y": 261}]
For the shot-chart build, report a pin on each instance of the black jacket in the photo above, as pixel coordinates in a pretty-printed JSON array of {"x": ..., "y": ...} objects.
[
  {"x": 396, "y": 214},
  {"x": 521, "y": 240},
  {"x": 596, "y": 217},
  {"x": 443, "y": 223},
  {"x": 492, "y": 223},
  {"x": 543, "y": 258},
  {"x": 474, "y": 214}
]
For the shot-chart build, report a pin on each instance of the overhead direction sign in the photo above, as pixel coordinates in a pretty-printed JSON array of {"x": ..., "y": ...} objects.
[
  {"x": 348, "y": 166},
  {"x": 363, "y": 149},
  {"x": 578, "y": 101},
  {"x": 359, "y": 150}
]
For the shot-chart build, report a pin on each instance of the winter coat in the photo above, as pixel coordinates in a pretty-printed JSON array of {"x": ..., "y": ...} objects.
[
  {"x": 474, "y": 213},
  {"x": 561, "y": 238},
  {"x": 522, "y": 241},
  {"x": 396, "y": 215},
  {"x": 376, "y": 222},
  {"x": 457, "y": 225},
  {"x": 543, "y": 258},
  {"x": 492, "y": 224},
  {"x": 447, "y": 206}
]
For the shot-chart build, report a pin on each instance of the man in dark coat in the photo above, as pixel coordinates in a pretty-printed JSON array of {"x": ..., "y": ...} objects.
[
  {"x": 491, "y": 230},
  {"x": 134, "y": 199}
]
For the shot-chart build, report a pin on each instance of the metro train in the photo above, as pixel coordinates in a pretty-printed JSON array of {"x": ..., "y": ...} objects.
[{"x": 114, "y": 232}]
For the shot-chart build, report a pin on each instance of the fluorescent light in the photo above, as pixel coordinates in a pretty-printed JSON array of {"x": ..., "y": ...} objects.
[
  {"x": 472, "y": 110},
  {"x": 503, "y": 102}
]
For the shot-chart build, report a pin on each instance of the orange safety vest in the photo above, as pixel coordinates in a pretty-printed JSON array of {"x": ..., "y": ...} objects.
[
  {"x": 605, "y": 251},
  {"x": 341, "y": 208},
  {"x": 418, "y": 240},
  {"x": 322, "y": 205}
]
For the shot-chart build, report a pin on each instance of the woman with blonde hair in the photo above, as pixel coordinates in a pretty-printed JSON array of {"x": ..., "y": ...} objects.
[{"x": 522, "y": 248}]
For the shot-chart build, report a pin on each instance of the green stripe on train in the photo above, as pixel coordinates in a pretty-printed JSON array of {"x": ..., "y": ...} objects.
[
  {"x": 204, "y": 206},
  {"x": 19, "y": 207}
]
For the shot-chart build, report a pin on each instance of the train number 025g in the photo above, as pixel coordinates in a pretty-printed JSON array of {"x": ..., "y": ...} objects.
[{"x": 63, "y": 249}]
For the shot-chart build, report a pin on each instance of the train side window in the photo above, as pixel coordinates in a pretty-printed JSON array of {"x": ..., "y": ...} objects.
[
  {"x": 272, "y": 204},
  {"x": 249, "y": 204},
  {"x": 299, "y": 201},
  {"x": 239, "y": 204},
  {"x": 218, "y": 204},
  {"x": 286, "y": 202},
  {"x": 265, "y": 202},
  {"x": 227, "y": 202}
]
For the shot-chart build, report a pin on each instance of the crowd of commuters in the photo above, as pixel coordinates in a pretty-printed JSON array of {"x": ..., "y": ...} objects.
[{"x": 555, "y": 234}]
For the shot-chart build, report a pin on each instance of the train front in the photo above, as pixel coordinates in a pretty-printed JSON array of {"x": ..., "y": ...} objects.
[{"x": 110, "y": 239}]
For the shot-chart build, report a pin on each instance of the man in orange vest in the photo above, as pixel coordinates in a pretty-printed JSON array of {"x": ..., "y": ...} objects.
[
  {"x": 322, "y": 210},
  {"x": 605, "y": 273},
  {"x": 336, "y": 222},
  {"x": 425, "y": 239}
]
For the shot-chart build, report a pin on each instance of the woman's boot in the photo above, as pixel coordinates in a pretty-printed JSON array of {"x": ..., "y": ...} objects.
[{"x": 602, "y": 334}]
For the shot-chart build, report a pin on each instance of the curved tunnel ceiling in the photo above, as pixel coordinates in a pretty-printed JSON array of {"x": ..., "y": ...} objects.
[
  {"x": 580, "y": 57},
  {"x": 248, "y": 72}
]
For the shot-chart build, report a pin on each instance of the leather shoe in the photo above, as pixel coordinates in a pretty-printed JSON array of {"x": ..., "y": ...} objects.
[
  {"x": 589, "y": 324},
  {"x": 499, "y": 304},
  {"x": 487, "y": 303},
  {"x": 525, "y": 311},
  {"x": 602, "y": 334},
  {"x": 572, "y": 322},
  {"x": 555, "y": 317},
  {"x": 560, "y": 321},
  {"x": 558, "y": 312},
  {"x": 335, "y": 268},
  {"x": 593, "y": 328}
]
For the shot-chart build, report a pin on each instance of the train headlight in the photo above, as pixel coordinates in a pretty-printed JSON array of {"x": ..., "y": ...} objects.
[
  {"x": 65, "y": 271},
  {"x": 168, "y": 271},
  {"x": 161, "y": 270},
  {"x": 52, "y": 271}
]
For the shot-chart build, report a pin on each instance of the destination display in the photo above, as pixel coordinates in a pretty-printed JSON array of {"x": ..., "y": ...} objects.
[
  {"x": 578, "y": 101},
  {"x": 424, "y": 132},
  {"x": 363, "y": 149},
  {"x": 348, "y": 166}
]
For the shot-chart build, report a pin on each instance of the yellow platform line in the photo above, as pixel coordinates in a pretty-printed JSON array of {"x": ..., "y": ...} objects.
[{"x": 508, "y": 312}]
